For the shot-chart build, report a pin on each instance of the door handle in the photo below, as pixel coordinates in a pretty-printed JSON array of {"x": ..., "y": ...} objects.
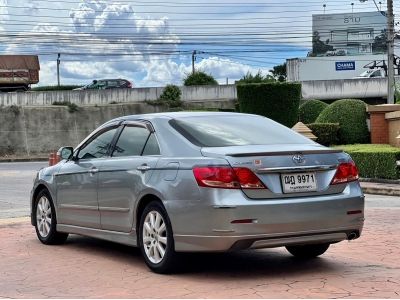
[
  {"x": 143, "y": 168},
  {"x": 93, "y": 170}
]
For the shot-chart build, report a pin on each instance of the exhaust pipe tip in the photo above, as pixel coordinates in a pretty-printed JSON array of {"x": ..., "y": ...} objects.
[{"x": 352, "y": 236}]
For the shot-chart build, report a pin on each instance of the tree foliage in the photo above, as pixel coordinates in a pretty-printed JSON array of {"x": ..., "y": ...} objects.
[
  {"x": 258, "y": 78},
  {"x": 199, "y": 78},
  {"x": 279, "y": 72}
]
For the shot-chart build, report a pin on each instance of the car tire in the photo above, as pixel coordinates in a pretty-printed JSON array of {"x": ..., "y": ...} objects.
[
  {"x": 307, "y": 251},
  {"x": 44, "y": 217},
  {"x": 156, "y": 239}
]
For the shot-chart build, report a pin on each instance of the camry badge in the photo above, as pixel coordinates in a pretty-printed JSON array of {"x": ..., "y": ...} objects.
[{"x": 298, "y": 159}]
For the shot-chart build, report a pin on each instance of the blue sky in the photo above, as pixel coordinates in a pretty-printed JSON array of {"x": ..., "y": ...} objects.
[{"x": 150, "y": 42}]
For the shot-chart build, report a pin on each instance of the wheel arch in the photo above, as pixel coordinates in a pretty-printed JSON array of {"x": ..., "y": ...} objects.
[
  {"x": 40, "y": 187},
  {"x": 146, "y": 199}
]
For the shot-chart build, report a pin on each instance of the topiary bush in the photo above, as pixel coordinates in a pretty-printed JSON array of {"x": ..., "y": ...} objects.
[
  {"x": 326, "y": 133},
  {"x": 310, "y": 110},
  {"x": 351, "y": 115},
  {"x": 171, "y": 96},
  {"x": 277, "y": 101},
  {"x": 375, "y": 161}
]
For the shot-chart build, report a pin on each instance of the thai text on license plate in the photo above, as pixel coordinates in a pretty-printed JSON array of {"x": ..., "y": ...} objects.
[{"x": 299, "y": 182}]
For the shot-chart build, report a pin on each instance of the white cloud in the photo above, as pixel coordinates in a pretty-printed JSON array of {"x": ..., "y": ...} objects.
[
  {"x": 101, "y": 28},
  {"x": 3, "y": 13}
]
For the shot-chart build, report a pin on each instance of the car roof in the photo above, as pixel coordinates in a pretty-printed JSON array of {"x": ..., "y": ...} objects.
[
  {"x": 177, "y": 115},
  {"x": 111, "y": 79}
]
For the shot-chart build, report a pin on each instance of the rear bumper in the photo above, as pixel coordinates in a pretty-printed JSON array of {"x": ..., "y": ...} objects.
[
  {"x": 192, "y": 243},
  {"x": 206, "y": 225}
]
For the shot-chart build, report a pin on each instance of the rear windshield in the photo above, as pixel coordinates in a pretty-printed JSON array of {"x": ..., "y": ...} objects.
[{"x": 222, "y": 131}]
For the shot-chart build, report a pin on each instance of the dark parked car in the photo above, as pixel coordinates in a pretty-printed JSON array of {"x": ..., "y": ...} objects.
[
  {"x": 195, "y": 182},
  {"x": 105, "y": 84}
]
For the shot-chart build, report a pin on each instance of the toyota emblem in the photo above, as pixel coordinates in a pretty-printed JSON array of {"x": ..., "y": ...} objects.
[{"x": 298, "y": 159}]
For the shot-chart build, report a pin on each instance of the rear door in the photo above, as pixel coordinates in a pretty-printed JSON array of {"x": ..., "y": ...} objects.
[{"x": 124, "y": 175}]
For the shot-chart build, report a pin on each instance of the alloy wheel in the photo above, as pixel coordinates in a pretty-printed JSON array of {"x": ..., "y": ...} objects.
[
  {"x": 154, "y": 236},
  {"x": 43, "y": 216}
]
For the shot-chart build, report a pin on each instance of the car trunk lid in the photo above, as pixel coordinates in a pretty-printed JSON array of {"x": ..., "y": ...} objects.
[{"x": 287, "y": 170}]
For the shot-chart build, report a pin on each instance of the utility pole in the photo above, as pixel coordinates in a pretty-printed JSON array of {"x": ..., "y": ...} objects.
[
  {"x": 390, "y": 47},
  {"x": 58, "y": 69},
  {"x": 193, "y": 59}
]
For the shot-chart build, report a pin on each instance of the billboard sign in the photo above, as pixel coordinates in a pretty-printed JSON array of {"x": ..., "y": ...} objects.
[
  {"x": 345, "y": 65},
  {"x": 349, "y": 34}
]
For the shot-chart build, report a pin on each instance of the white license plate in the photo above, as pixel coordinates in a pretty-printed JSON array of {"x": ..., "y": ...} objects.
[{"x": 299, "y": 182}]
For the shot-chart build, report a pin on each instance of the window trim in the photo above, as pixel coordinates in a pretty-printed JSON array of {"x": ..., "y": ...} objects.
[
  {"x": 142, "y": 124},
  {"x": 93, "y": 136}
]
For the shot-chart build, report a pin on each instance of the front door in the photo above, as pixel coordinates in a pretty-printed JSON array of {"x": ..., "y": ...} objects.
[{"x": 77, "y": 181}]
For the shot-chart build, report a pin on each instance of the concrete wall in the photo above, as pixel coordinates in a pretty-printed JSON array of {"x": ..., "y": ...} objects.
[
  {"x": 316, "y": 89},
  {"x": 38, "y": 130},
  {"x": 100, "y": 97},
  {"x": 346, "y": 88}
]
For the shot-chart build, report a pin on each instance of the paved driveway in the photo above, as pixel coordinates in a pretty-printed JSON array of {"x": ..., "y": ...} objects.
[
  {"x": 365, "y": 268},
  {"x": 16, "y": 181}
]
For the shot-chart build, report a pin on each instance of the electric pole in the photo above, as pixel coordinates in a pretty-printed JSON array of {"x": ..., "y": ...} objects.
[
  {"x": 390, "y": 47},
  {"x": 193, "y": 59},
  {"x": 58, "y": 69}
]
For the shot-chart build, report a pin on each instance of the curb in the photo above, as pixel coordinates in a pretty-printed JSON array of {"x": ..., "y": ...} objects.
[
  {"x": 25, "y": 159},
  {"x": 381, "y": 191}
]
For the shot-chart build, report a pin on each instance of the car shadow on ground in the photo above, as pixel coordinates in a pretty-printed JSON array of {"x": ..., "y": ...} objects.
[{"x": 247, "y": 263}]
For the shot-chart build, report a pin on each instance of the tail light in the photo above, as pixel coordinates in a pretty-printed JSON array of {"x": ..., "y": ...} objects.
[
  {"x": 227, "y": 178},
  {"x": 346, "y": 172}
]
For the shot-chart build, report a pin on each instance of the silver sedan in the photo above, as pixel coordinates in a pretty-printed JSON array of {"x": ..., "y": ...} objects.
[{"x": 191, "y": 182}]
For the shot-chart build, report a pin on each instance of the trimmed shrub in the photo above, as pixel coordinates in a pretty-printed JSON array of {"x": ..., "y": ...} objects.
[
  {"x": 55, "y": 88},
  {"x": 199, "y": 78},
  {"x": 374, "y": 161},
  {"x": 72, "y": 107},
  {"x": 351, "y": 114},
  {"x": 326, "y": 133},
  {"x": 277, "y": 101},
  {"x": 310, "y": 110},
  {"x": 171, "y": 96}
]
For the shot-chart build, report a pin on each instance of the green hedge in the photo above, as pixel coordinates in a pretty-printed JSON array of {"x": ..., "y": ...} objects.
[
  {"x": 277, "y": 101},
  {"x": 326, "y": 133},
  {"x": 351, "y": 114},
  {"x": 374, "y": 161},
  {"x": 310, "y": 110}
]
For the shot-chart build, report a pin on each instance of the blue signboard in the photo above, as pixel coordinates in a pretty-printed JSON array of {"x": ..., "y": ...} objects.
[{"x": 345, "y": 65}]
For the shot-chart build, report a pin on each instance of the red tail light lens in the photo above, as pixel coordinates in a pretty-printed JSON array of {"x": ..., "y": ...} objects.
[
  {"x": 346, "y": 172},
  {"x": 247, "y": 179},
  {"x": 227, "y": 178}
]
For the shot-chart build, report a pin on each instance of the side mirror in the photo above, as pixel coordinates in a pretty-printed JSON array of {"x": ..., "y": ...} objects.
[{"x": 65, "y": 152}]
